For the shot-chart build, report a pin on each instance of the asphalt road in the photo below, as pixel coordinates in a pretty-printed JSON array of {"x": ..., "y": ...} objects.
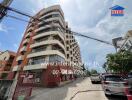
[{"x": 81, "y": 89}]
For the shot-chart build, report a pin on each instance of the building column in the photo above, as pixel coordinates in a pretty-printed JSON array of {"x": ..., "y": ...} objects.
[{"x": 13, "y": 87}]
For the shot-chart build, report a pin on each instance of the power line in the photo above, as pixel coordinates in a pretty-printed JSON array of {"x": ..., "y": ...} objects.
[
  {"x": 3, "y": 10},
  {"x": 78, "y": 34},
  {"x": 17, "y": 18},
  {"x": 27, "y": 15}
]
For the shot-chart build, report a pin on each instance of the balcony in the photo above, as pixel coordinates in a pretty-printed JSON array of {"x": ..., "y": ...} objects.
[
  {"x": 25, "y": 41},
  {"x": 27, "y": 35},
  {"x": 47, "y": 52},
  {"x": 29, "y": 29},
  {"x": 42, "y": 28},
  {"x": 61, "y": 35},
  {"x": 52, "y": 13},
  {"x": 24, "y": 48},
  {"x": 20, "y": 58},
  {"x": 34, "y": 67},
  {"x": 53, "y": 19},
  {"x": 37, "y": 44},
  {"x": 16, "y": 68}
]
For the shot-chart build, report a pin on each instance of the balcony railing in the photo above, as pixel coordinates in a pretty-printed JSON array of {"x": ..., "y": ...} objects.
[
  {"x": 54, "y": 19},
  {"x": 21, "y": 57},
  {"x": 37, "y": 62},
  {"x": 25, "y": 41},
  {"x": 27, "y": 35},
  {"x": 46, "y": 52},
  {"x": 47, "y": 43},
  {"x": 23, "y": 48},
  {"x": 38, "y": 50},
  {"x": 49, "y": 32}
]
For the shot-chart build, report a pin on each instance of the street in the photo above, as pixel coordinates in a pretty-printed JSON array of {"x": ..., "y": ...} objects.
[{"x": 68, "y": 92}]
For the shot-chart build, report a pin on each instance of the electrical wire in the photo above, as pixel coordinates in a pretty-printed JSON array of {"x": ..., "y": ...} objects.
[
  {"x": 75, "y": 33},
  {"x": 3, "y": 10},
  {"x": 17, "y": 18}
]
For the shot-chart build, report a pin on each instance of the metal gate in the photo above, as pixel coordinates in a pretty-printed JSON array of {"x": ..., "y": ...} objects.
[
  {"x": 5, "y": 86},
  {"x": 22, "y": 91}
]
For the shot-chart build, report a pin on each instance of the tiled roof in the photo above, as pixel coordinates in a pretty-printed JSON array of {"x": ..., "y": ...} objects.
[{"x": 10, "y": 52}]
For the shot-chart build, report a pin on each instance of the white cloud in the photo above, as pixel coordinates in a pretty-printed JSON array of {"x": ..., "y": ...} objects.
[
  {"x": 40, "y": 4},
  {"x": 92, "y": 18},
  {"x": 3, "y": 28}
]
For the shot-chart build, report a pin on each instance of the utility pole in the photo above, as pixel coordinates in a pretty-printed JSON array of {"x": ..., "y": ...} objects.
[{"x": 3, "y": 10}]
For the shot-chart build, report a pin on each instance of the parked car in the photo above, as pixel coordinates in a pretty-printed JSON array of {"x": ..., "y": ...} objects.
[
  {"x": 113, "y": 85},
  {"x": 130, "y": 75},
  {"x": 95, "y": 78},
  {"x": 128, "y": 89}
]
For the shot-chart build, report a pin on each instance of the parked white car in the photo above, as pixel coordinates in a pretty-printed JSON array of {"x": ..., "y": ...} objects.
[
  {"x": 95, "y": 78},
  {"x": 113, "y": 85}
]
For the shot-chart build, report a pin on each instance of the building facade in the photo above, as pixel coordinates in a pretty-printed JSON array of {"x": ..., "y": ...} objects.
[
  {"x": 124, "y": 43},
  {"x": 48, "y": 51},
  {"x": 6, "y": 60}
]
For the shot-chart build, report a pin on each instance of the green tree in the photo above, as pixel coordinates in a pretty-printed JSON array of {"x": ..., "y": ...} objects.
[
  {"x": 105, "y": 67},
  {"x": 93, "y": 71},
  {"x": 119, "y": 62}
]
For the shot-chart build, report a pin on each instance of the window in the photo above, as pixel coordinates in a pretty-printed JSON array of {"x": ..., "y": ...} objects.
[
  {"x": 36, "y": 60},
  {"x": 67, "y": 55},
  {"x": 42, "y": 39},
  {"x": 67, "y": 48},
  {"x": 55, "y": 58},
  {"x": 19, "y": 62},
  {"x": 55, "y": 15},
  {"x": 38, "y": 49}
]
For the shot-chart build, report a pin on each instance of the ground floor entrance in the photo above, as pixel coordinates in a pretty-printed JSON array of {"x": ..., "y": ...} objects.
[
  {"x": 5, "y": 86},
  {"x": 54, "y": 75}
]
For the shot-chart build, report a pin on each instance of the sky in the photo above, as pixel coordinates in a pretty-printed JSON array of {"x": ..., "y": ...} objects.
[{"x": 88, "y": 17}]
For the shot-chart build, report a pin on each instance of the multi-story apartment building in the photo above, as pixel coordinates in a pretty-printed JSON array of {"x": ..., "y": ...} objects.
[
  {"x": 72, "y": 50},
  {"x": 6, "y": 60},
  {"x": 124, "y": 43},
  {"x": 47, "y": 44}
]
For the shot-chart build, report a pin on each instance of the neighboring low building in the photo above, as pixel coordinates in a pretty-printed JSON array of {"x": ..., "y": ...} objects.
[
  {"x": 123, "y": 43},
  {"x": 127, "y": 45},
  {"x": 117, "y": 42},
  {"x": 6, "y": 60}
]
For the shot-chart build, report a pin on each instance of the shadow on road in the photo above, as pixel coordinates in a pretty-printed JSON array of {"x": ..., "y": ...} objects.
[
  {"x": 56, "y": 93},
  {"x": 117, "y": 98}
]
